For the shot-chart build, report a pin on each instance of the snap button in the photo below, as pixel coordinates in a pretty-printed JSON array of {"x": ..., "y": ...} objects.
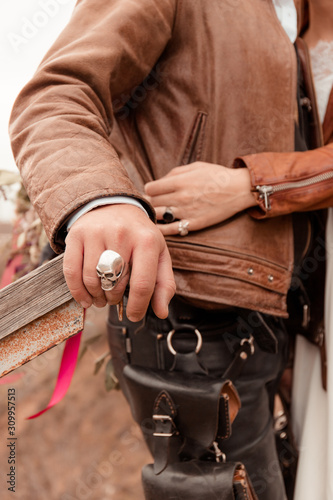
[
  {"x": 250, "y": 271},
  {"x": 270, "y": 278}
]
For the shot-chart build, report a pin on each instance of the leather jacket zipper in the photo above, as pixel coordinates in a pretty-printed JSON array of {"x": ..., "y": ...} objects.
[{"x": 267, "y": 191}]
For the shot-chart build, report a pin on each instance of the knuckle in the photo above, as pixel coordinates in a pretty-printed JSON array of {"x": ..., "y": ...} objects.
[
  {"x": 142, "y": 288},
  {"x": 171, "y": 286},
  {"x": 91, "y": 282},
  {"x": 94, "y": 287},
  {"x": 69, "y": 272},
  {"x": 175, "y": 170},
  {"x": 76, "y": 232},
  {"x": 150, "y": 238},
  {"x": 119, "y": 232}
]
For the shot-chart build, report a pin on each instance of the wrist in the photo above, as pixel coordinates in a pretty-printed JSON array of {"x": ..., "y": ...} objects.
[{"x": 247, "y": 196}]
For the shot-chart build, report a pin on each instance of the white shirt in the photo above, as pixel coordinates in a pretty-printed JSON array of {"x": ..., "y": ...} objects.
[
  {"x": 287, "y": 14},
  {"x": 322, "y": 71}
]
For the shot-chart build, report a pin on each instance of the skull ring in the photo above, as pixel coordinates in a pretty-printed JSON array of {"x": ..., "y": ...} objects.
[{"x": 110, "y": 267}]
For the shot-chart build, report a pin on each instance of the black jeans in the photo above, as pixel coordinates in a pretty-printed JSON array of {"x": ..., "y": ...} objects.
[{"x": 252, "y": 441}]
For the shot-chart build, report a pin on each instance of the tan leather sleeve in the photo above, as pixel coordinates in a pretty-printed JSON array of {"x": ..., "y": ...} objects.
[
  {"x": 62, "y": 119},
  {"x": 299, "y": 181}
]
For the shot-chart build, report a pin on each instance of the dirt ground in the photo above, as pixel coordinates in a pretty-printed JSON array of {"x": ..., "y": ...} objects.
[{"x": 85, "y": 448}]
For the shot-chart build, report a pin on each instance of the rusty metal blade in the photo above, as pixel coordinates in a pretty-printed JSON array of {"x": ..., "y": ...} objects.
[{"x": 40, "y": 335}]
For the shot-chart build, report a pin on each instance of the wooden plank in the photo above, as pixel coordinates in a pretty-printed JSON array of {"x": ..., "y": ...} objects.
[
  {"x": 33, "y": 296},
  {"x": 40, "y": 335}
]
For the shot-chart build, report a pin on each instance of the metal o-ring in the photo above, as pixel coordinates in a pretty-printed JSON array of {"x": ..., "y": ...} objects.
[{"x": 173, "y": 350}]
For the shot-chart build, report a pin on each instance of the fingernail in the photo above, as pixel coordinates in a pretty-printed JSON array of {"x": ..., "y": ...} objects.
[
  {"x": 165, "y": 313},
  {"x": 133, "y": 319},
  {"x": 85, "y": 305}
]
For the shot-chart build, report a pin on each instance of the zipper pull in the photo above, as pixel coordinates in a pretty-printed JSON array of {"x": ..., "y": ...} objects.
[{"x": 265, "y": 192}]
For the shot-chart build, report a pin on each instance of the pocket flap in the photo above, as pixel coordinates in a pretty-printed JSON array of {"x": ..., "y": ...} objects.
[{"x": 203, "y": 406}]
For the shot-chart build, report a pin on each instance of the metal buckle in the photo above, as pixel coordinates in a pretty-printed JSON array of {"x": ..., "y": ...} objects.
[
  {"x": 219, "y": 455},
  {"x": 306, "y": 316},
  {"x": 161, "y": 418},
  {"x": 249, "y": 341},
  {"x": 173, "y": 350}
]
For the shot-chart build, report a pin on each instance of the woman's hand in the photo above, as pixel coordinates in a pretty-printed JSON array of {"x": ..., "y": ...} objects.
[{"x": 201, "y": 193}]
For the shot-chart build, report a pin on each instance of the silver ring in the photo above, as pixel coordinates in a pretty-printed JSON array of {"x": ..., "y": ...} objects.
[
  {"x": 168, "y": 215},
  {"x": 183, "y": 227},
  {"x": 173, "y": 350},
  {"x": 109, "y": 269}
]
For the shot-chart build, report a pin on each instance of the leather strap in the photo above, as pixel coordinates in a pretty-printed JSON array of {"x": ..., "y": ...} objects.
[
  {"x": 163, "y": 416},
  {"x": 246, "y": 349},
  {"x": 255, "y": 325},
  {"x": 165, "y": 409}
]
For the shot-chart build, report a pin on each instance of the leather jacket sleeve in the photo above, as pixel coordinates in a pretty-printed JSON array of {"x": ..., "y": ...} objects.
[
  {"x": 290, "y": 182},
  {"x": 62, "y": 119},
  {"x": 295, "y": 182}
]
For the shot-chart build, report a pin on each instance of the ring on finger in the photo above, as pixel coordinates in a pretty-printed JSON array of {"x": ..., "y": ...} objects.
[
  {"x": 168, "y": 215},
  {"x": 109, "y": 269},
  {"x": 183, "y": 227}
]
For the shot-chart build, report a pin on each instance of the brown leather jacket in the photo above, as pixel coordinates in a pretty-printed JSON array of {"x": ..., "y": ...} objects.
[{"x": 170, "y": 82}]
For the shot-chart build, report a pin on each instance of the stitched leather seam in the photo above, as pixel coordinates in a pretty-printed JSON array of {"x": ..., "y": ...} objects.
[
  {"x": 195, "y": 141},
  {"x": 246, "y": 497},
  {"x": 227, "y": 416},
  {"x": 201, "y": 138},
  {"x": 168, "y": 400},
  {"x": 190, "y": 143}
]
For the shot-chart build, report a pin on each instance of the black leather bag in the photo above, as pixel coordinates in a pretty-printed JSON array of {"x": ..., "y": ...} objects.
[
  {"x": 198, "y": 410},
  {"x": 198, "y": 480},
  {"x": 188, "y": 415}
]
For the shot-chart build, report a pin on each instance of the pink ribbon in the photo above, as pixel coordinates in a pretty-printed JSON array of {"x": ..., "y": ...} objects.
[
  {"x": 66, "y": 372},
  {"x": 10, "y": 270}
]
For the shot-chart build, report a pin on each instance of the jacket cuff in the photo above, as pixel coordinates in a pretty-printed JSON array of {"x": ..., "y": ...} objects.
[
  {"x": 59, "y": 233},
  {"x": 258, "y": 211},
  {"x": 283, "y": 183}
]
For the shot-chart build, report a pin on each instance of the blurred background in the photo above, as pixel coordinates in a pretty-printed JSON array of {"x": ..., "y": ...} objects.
[
  {"x": 87, "y": 447},
  {"x": 27, "y": 29}
]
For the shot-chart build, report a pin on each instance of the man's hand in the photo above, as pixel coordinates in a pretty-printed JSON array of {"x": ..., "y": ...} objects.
[
  {"x": 128, "y": 231},
  {"x": 204, "y": 194}
]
